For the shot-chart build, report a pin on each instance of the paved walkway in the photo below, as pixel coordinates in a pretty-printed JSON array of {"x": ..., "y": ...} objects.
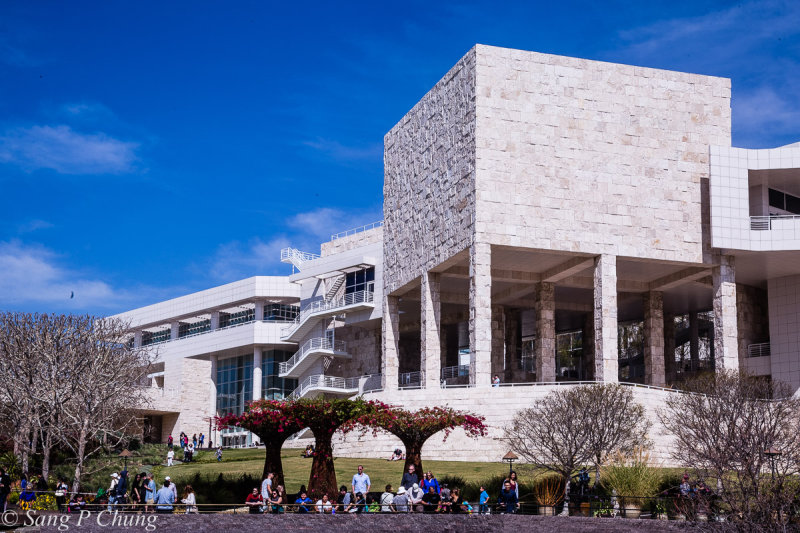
[{"x": 371, "y": 523}]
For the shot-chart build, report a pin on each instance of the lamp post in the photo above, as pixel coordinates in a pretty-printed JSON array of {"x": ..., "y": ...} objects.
[
  {"x": 510, "y": 457},
  {"x": 772, "y": 454},
  {"x": 125, "y": 454}
]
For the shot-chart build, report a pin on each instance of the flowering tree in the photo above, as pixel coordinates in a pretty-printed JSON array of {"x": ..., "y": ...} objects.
[
  {"x": 323, "y": 416},
  {"x": 414, "y": 428},
  {"x": 273, "y": 421}
]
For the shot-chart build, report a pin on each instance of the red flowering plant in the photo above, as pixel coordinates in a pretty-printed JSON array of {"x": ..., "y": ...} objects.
[
  {"x": 273, "y": 422},
  {"x": 414, "y": 428},
  {"x": 324, "y": 416}
]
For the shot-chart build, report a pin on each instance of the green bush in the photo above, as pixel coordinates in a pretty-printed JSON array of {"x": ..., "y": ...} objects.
[{"x": 632, "y": 477}]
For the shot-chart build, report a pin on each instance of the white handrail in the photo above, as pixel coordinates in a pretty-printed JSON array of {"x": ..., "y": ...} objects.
[
  {"x": 764, "y": 223},
  {"x": 321, "y": 306},
  {"x": 360, "y": 229},
  {"x": 318, "y": 381},
  {"x": 454, "y": 371},
  {"x": 761, "y": 349},
  {"x": 318, "y": 343}
]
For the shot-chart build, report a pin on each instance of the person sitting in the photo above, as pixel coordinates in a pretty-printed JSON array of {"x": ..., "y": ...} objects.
[
  {"x": 387, "y": 498},
  {"x": 324, "y": 505},
  {"x": 397, "y": 455},
  {"x": 400, "y": 502},
  {"x": 302, "y": 501},
  {"x": 456, "y": 504},
  {"x": 254, "y": 501},
  {"x": 358, "y": 504},
  {"x": 276, "y": 501},
  {"x": 431, "y": 500},
  {"x": 77, "y": 504},
  {"x": 372, "y": 504}
]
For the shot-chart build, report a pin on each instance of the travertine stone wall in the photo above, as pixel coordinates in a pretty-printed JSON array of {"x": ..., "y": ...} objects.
[
  {"x": 429, "y": 178},
  {"x": 480, "y": 314},
  {"x": 351, "y": 241},
  {"x": 498, "y": 405},
  {"x": 669, "y": 348},
  {"x": 594, "y": 157},
  {"x": 654, "y": 338},
  {"x": 784, "y": 329},
  {"x": 498, "y": 341},
  {"x": 606, "y": 357},
  {"x": 430, "y": 341},
  {"x": 364, "y": 347},
  {"x": 726, "y": 343},
  {"x": 752, "y": 319},
  {"x": 390, "y": 359},
  {"x": 545, "y": 347}
]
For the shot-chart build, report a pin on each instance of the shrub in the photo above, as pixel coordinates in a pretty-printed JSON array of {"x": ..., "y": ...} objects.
[
  {"x": 548, "y": 490},
  {"x": 632, "y": 476}
]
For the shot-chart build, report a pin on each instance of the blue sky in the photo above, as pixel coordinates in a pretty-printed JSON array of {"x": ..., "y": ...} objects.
[{"x": 151, "y": 149}]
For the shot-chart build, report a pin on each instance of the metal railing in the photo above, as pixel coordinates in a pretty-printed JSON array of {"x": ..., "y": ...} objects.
[
  {"x": 320, "y": 306},
  {"x": 320, "y": 381},
  {"x": 410, "y": 379},
  {"x": 319, "y": 343},
  {"x": 360, "y": 229},
  {"x": 214, "y": 330},
  {"x": 761, "y": 349},
  {"x": 764, "y": 223},
  {"x": 449, "y": 372},
  {"x": 296, "y": 257}
]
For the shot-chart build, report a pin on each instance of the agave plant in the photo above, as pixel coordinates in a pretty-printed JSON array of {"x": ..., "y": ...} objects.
[
  {"x": 549, "y": 490},
  {"x": 632, "y": 476}
]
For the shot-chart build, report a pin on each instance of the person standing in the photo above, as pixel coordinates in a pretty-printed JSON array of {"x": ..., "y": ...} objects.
[
  {"x": 409, "y": 478},
  {"x": 170, "y": 441},
  {"x": 170, "y": 457},
  {"x": 202, "y": 438},
  {"x": 496, "y": 381},
  {"x": 400, "y": 502},
  {"x": 164, "y": 499},
  {"x": 387, "y": 499},
  {"x": 149, "y": 492},
  {"x": 361, "y": 482},
  {"x": 112, "y": 491},
  {"x": 61, "y": 495},
  {"x": 266, "y": 485},
  {"x": 483, "y": 500},
  {"x": 219, "y": 454},
  {"x": 173, "y": 488},
  {"x": 194, "y": 440},
  {"x": 189, "y": 500},
  {"x": 5, "y": 489},
  {"x": 508, "y": 499}
]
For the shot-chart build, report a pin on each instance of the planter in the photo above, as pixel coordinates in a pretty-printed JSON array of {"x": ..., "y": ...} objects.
[
  {"x": 662, "y": 516},
  {"x": 585, "y": 509},
  {"x": 546, "y": 510},
  {"x": 680, "y": 517},
  {"x": 632, "y": 510}
]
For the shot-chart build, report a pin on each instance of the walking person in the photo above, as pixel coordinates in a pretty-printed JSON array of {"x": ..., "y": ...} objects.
[
  {"x": 266, "y": 485},
  {"x": 202, "y": 438},
  {"x": 361, "y": 482},
  {"x": 112, "y": 491},
  {"x": 189, "y": 500},
  {"x": 170, "y": 457},
  {"x": 170, "y": 441},
  {"x": 508, "y": 499},
  {"x": 219, "y": 454},
  {"x": 483, "y": 501}
]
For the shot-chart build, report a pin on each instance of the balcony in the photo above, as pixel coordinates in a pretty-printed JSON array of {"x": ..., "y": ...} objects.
[
  {"x": 319, "y": 384},
  {"x": 762, "y": 349},
  {"x": 315, "y": 311},
  {"x": 777, "y": 222},
  {"x": 309, "y": 353}
]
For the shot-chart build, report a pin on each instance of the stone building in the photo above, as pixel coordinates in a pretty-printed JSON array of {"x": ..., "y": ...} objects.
[{"x": 546, "y": 220}]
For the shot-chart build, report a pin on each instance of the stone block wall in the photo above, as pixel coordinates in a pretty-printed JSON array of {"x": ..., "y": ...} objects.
[
  {"x": 593, "y": 157},
  {"x": 351, "y": 242},
  {"x": 498, "y": 405},
  {"x": 784, "y": 329},
  {"x": 429, "y": 178},
  {"x": 364, "y": 345},
  {"x": 753, "y": 317}
]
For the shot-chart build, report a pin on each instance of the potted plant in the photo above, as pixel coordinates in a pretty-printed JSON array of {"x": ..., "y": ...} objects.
[
  {"x": 660, "y": 511},
  {"x": 632, "y": 477},
  {"x": 548, "y": 491}
]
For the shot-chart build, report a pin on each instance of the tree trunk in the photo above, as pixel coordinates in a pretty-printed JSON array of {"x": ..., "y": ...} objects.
[
  {"x": 414, "y": 457},
  {"x": 596, "y": 472},
  {"x": 322, "y": 479},
  {"x": 45, "y": 461},
  {"x": 76, "y": 481},
  {"x": 273, "y": 462}
]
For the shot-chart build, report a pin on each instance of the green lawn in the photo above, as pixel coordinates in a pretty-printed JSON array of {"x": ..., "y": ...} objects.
[{"x": 296, "y": 469}]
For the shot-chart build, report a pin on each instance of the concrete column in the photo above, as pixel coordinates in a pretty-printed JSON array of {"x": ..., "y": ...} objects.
[
  {"x": 654, "y": 338},
  {"x": 174, "y": 330},
  {"x": 480, "y": 314},
  {"x": 498, "y": 341},
  {"x": 257, "y": 373},
  {"x": 587, "y": 340},
  {"x": 259, "y": 311},
  {"x": 212, "y": 387},
  {"x": 606, "y": 359},
  {"x": 545, "y": 347},
  {"x": 390, "y": 362},
  {"x": 214, "y": 320},
  {"x": 137, "y": 339},
  {"x": 430, "y": 330},
  {"x": 726, "y": 347},
  {"x": 513, "y": 350},
  {"x": 669, "y": 349},
  {"x": 694, "y": 340}
]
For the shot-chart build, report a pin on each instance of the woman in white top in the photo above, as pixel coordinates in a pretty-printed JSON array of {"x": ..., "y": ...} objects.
[
  {"x": 189, "y": 500},
  {"x": 324, "y": 505}
]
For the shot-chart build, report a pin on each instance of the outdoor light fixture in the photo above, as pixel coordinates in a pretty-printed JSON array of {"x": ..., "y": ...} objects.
[
  {"x": 125, "y": 454},
  {"x": 510, "y": 457},
  {"x": 772, "y": 454}
]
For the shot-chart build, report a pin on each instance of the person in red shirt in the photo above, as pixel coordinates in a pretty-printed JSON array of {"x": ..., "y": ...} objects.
[{"x": 254, "y": 501}]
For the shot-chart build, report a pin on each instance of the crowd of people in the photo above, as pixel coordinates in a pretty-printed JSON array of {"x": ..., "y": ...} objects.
[{"x": 413, "y": 495}]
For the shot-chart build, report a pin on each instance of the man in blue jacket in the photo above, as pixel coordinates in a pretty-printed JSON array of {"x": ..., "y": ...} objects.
[
  {"x": 508, "y": 498},
  {"x": 164, "y": 499}
]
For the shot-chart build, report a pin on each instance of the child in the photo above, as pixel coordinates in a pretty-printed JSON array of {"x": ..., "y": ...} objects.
[{"x": 219, "y": 454}]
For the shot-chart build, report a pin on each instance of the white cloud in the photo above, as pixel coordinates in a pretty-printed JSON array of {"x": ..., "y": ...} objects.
[
  {"x": 321, "y": 223},
  {"x": 66, "y": 151},
  {"x": 33, "y": 225},
  {"x": 236, "y": 260},
  {"x": 341, "y": 152},
  {"x": 33, "y": 279},
  {"x": 763, "y": 109}
]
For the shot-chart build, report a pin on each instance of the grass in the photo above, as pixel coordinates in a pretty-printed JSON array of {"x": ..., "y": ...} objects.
[{"x": 296, "y": 469}]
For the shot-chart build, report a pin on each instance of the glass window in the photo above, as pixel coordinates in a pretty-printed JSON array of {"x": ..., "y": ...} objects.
[
  {"x": 281, "y": 312},
  {"x": 776, "y": 199},
  {"x": 793, "y": 204},
  {"x": 273, "y": 386},
  {"x": 234, "y": 384},
  {"x": 360, "y": 280},
  {"x": 234, "y": 319},
  {"x": 185, "y": 330}
]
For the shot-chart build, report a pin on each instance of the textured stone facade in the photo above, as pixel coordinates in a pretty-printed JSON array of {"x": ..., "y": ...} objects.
[
  {"x": 430, "y": 341},
  {"x": 480, "y": 314},
  {"x": 726, "y": 343},
  {"x": 363, "y": 343},
  {"x": 429, "y": 178},
  {"x": 606, "y": 364},
  {"x": 594, "y": 157},
  {"x": 654, "y": 338},
  {"x": 351, "y": 242},
  {"x": 390, "y": 360},
  {"x": 545, "y": 333}
]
